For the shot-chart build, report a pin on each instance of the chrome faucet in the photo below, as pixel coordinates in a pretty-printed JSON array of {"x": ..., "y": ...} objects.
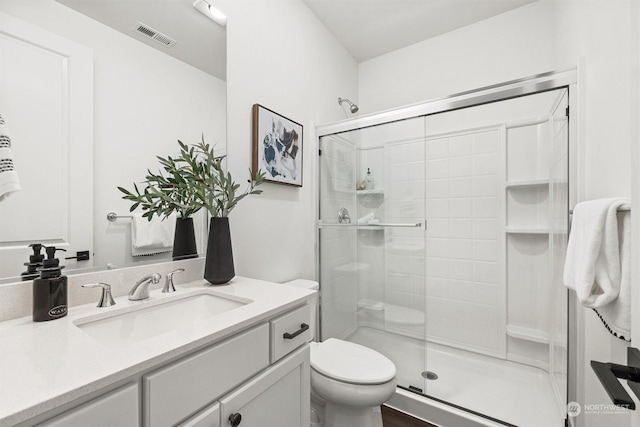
[
  {"x": 140, "y": 290},
  {"x": 343, "y": 216},
  {"x": 106, "y": 300},
  {"x": 168, "y": 283}
]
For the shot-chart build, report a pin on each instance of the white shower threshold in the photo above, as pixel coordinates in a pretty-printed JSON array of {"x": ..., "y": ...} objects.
[{"x": 510, "y": 392}]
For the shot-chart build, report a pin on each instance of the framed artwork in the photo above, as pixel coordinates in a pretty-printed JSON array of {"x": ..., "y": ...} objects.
[{"x": 277, "y": 147}]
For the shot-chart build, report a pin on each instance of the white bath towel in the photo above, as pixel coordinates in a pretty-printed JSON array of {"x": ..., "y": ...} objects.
[
  {"x": 593, "y": 263},
  {"x": 9, "y": 181},
  {"x": 151, "y": 237},
  {"x": 616, "y": 315}
]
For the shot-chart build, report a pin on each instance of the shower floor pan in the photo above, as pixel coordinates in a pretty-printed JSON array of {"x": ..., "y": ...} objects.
[{"x": 510, "y": 392}]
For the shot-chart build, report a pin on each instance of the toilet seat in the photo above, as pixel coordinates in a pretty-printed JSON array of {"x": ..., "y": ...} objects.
[{"x": 351, "y": 363}]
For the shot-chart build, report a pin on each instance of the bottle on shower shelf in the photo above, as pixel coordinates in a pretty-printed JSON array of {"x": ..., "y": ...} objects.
[{"x": 369, "y": 183}]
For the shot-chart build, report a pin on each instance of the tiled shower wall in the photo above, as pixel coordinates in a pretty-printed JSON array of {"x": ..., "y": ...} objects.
[
  {"x": 446, "y": 283},
  {"x": 465, "y": 287}
]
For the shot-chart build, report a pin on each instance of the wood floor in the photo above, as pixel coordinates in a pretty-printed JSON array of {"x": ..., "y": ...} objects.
[{"x": 393, "y": 418}]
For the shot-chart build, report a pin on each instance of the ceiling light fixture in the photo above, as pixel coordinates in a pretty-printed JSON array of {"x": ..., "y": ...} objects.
[{"x": 211, "y": 12}]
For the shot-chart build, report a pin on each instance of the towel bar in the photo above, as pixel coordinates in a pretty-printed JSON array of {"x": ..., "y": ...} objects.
[
  {"x": 619, "y": 210},
  {"x": 112, "y": 216}
]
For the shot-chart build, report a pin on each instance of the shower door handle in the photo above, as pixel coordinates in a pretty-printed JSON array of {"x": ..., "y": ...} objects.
[{"x": 288, "y": 336}]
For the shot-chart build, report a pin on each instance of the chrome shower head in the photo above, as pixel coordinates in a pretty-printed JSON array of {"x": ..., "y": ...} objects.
[{"x": 353, "y": 107}]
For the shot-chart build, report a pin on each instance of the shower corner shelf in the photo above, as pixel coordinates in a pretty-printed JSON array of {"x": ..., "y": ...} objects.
[
  {"x": 375, "y": 191},
  {"x": 528, "y": 334},
  {"x": 526, "y": 183},
  {"x": 526, "y": 230}
]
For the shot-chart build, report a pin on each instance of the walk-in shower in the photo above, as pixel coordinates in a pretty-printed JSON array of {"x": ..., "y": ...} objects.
[{"x": 451, "y": 263}]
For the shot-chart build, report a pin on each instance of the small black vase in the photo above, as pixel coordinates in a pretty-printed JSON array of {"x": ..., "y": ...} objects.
[
  {"x": 184, "y": 240},
  {"x": 218, "y": 267}
]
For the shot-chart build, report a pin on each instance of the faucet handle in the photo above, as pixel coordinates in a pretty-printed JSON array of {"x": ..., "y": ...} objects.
[
  {"x": 168, "y": 284},
  {"x": 106, "y": 300}
]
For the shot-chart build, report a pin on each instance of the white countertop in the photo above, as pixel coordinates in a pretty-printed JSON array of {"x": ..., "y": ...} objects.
[{"x": 48, "y": 364}]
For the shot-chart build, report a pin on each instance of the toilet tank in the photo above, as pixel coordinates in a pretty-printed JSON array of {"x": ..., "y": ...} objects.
[{"x": 313, "y": 302}]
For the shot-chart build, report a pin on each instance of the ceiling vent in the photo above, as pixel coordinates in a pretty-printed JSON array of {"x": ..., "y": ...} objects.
[{"x": 147, "y": 31}]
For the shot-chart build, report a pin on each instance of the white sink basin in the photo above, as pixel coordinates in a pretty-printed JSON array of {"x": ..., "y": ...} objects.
[{"x": 130, "y": 325}]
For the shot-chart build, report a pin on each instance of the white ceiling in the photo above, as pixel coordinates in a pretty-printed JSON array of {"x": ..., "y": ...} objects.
[
  {"x": 200, "y": 42},
  {"x": 370, "y": 28},
  {"x": 366, "y": 28}
]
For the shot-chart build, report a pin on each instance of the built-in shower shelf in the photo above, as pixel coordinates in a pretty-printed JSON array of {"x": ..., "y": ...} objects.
[
  {"x": 526, "y": 183},
  {"x": 353, "y": 267},
  {"x": 375, "y": 191},
  {"x": 527, "y": 230},
  {"x": 528, "y": 334}
]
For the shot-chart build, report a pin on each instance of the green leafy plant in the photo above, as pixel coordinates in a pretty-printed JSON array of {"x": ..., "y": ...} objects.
[{"x": 194, "y": 180}]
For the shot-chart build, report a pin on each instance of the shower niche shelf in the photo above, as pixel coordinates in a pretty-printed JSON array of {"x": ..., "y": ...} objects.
[
  {"x": 526, "y": 183},
  {"x": 374, "y": 192},
  {"x": 526, "y": 230},
  {"x": 528, "y": 334}
]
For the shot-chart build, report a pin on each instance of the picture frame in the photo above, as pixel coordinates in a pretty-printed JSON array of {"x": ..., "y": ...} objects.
[{"x": 277, "y": 147}]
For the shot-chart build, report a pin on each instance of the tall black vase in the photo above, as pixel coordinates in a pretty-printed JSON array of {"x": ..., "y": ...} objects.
[
  {"x": 218, "y": 267},
  {"x": 184, "y": 239}
]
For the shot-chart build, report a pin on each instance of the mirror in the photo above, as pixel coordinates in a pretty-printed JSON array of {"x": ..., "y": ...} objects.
[{"x": 157, "y": 72}]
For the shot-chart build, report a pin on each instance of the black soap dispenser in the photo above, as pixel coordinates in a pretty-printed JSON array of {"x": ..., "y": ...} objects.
[
  {"x": 50, "y": 289},
  {"x": 35, "y": 261}
]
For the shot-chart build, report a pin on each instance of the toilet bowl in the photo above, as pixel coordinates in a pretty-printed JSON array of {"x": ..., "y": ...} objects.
[{"x": 349, "y": 382}]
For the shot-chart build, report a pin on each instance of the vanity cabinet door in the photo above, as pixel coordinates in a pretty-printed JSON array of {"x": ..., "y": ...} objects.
[
  {"x": 278, "y": 397},
  {"x": 209, "y": 417},
  {"x": 180, "y": 389},
  {"x": 117, "y": 408}
]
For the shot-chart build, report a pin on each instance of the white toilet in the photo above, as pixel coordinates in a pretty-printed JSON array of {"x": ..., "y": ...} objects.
[{"x": 349, "y": 382}]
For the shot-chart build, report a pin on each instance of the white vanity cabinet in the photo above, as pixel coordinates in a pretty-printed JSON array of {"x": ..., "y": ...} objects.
[
  {"x": 258, "y": 377},
  {"x": 173, "y": 393},
  {"x": 117, "y": 408},
  {"x": 277, "y": 396}
]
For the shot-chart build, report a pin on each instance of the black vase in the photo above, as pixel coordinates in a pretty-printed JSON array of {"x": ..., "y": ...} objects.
[
  {"x": 184, "y": 239},
  {"x": 218, "y": 267}
]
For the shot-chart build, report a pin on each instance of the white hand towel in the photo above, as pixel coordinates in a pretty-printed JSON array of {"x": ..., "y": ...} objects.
[
  {"x": 616, "y": 315},
  {"x": 9, "y": 181},
  {"x": 365, "y": 219},
  {"x": 151, "y": 237},
  {"x": 592, "y": 265}
]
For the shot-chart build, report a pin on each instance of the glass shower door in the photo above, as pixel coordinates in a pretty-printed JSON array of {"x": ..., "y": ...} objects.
[
  {"x": 491, "y": 188},
  {"x": 372, "y": 268}
]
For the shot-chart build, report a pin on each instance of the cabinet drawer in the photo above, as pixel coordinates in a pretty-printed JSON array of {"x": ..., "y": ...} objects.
[
  {"x": 173, "y": 393},
  {"x": 290, "y": 331},
  {"x": 116, "y": 408}
]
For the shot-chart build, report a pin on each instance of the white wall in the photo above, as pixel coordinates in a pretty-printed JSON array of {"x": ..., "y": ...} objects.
[
  {"x": 508, "y": 46},
  {"x": 598, "y": 34},
  {"x": 282, "y": 57},
  {"x": 144, "y": 101}
]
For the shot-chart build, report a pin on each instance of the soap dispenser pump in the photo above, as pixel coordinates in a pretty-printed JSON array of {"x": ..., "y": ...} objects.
[
  {"x": 35, "y": 261},
  {"x": 50, "y": 289},
  {"x": 368, "y": 179}
]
